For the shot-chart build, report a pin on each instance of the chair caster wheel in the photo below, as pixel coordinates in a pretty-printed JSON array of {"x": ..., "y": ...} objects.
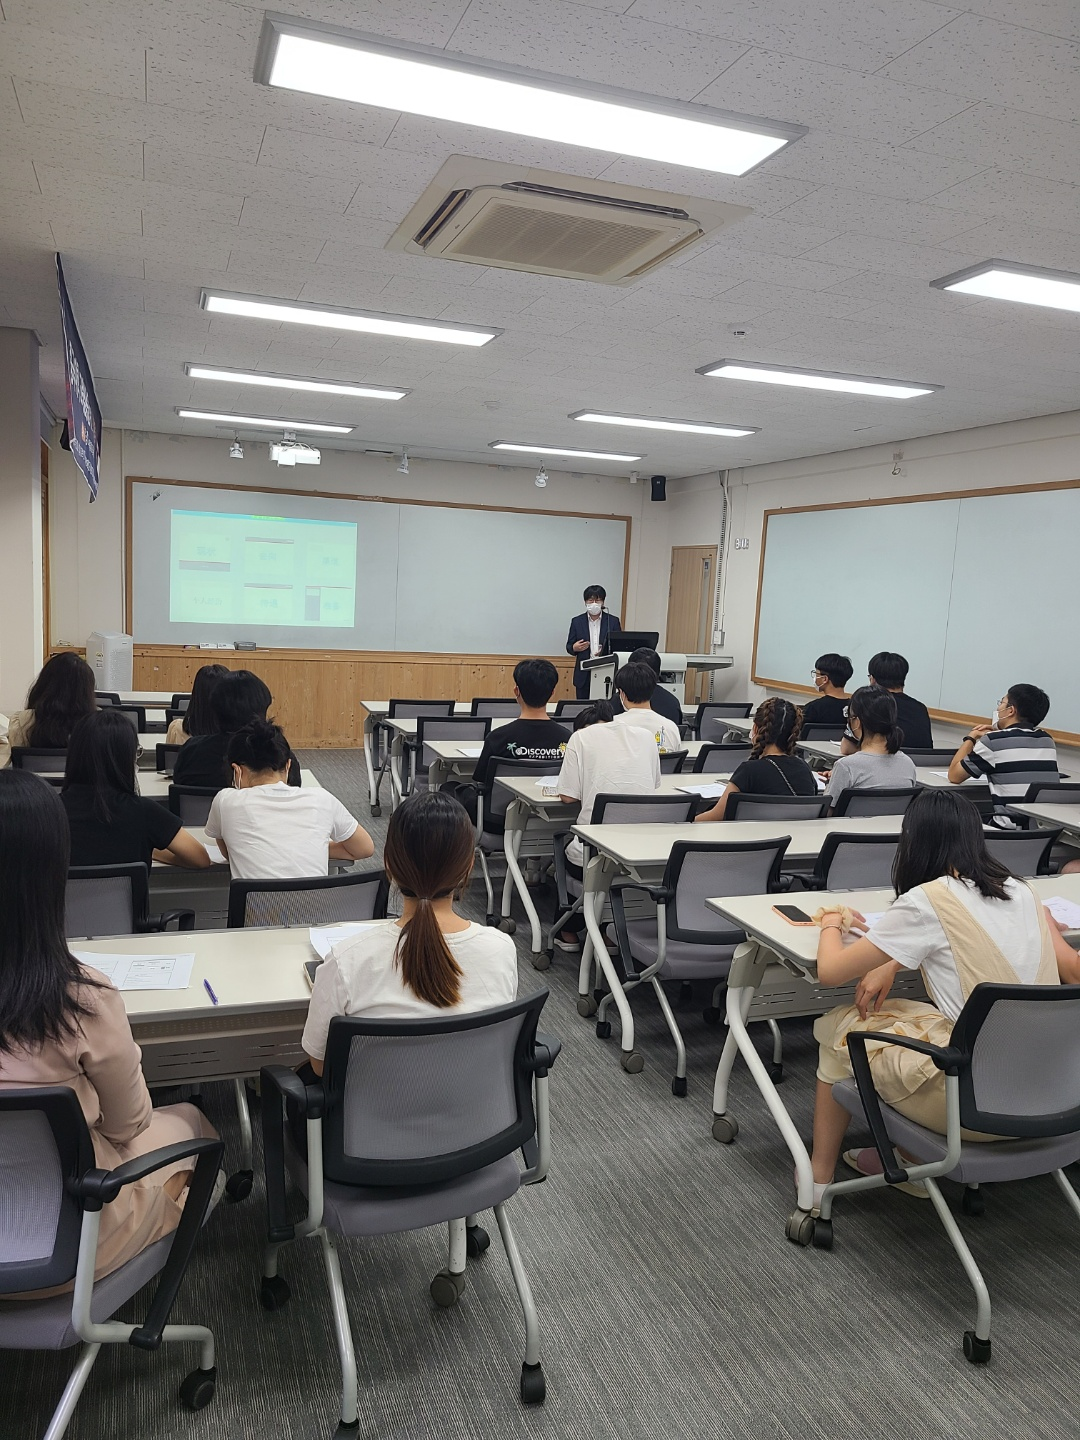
[
  {"x": 490, "y": 919},
  {"x": 586, "y": 1006},
  {"x": 678, "y": 1085},
  {"x": 724, "y": 1128},
  {"x": 973, "y": 1203},
  {"x": 632, "y": 1062},
  {"x": 541, "y": 960},
  {"x": 477, "y": 1241},
  {"x": 197, "y": 1389},
  {"x": 976, "y": 1350},
  {"x": 800, "y": 1227},
  {"x": 446, "y": 1289},
  {"x": 273, "y": 1292},
  {"x": 822, "y": 1234},
  {"x": 508, "y": 927},
  {"x": 347, "y": 1432},
  {"x": 238, "y": 1186},
  {"x": 533, "y": 1386},
  {"x": 775, "y": 1072},
  {"x": 603, "y": 1029},
  {"x": 712, "y": 1015},
  {"x": 376, "y": 811}
]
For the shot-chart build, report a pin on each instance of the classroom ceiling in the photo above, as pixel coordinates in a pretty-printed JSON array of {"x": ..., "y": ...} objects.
[{"x": 134, "y": 140}]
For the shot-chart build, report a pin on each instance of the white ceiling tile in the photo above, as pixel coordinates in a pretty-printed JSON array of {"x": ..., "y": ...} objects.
[
  {"x": 764, "y": 191},
  {"x": 853, "y": 252},
  {"x": 1024, "y": 243},
  {"x": 840, "y": 210},
  {"x": 1000, "y": 192},
  {"x": 415, "y": 135},
  {"x": 17, "y": 174},
  {"x": 1052, "y": 17},
  {"x": 1010, "y": 140},
  {"x": 63, "y": 58},
  {"x": 872, "y": 168}
]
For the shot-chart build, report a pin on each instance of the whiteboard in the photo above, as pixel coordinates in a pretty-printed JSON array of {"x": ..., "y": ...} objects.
[
  {"x": 427, "y": 578},
  {"x": 976, "y": 591}
]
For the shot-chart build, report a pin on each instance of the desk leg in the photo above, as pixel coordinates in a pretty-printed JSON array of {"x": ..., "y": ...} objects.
[
  {"x": 514, "y": 825},
  {"x": 369, "y": 765},
  {"x": 397, "y": 783},
  {"x": 598, "y": 876}
]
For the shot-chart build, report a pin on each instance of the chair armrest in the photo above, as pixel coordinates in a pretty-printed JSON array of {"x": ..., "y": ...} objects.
[
  {"x": 279, "y": 1083},
  {"x": 947, "y": 1059},
  {"x": 662, "y": 894},
  {"x": 100, "y": 1187},
  {"x": 545, "y": 1052},
  {"x": 185, "y": 920}
]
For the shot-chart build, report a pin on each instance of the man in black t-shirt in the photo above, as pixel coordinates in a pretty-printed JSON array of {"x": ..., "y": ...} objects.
[
  {"x": 831, "y": 674},
  {"x": 889, "y": 671},
  {"x": 661, "y": 700}
]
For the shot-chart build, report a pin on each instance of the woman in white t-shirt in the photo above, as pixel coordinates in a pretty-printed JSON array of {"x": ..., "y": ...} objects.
[
  {"x": 961, "y": 919},
  {"x": 430, "y": 962},
  {"x": 268, "y": 829}
]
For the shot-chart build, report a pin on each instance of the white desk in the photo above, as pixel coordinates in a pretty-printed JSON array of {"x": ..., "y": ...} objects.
[
  {"x": 1064, "y": 817},
  {"x": 451, "y": 764},
  {"x": 156, "y": 786},
  {"x": 775, "y": 973}
]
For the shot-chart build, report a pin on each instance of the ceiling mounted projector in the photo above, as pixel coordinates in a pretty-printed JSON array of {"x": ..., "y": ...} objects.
[{"x": 291, "y": 451}]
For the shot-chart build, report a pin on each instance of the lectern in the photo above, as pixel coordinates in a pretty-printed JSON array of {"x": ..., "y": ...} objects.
[{"x": 673, "y": 667}]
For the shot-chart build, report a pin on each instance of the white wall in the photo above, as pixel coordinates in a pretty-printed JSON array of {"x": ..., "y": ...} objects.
[{"x": 87, "y": 541}]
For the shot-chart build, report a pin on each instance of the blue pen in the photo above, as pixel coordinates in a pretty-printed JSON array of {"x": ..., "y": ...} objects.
[{"x": 210, "y": 991}]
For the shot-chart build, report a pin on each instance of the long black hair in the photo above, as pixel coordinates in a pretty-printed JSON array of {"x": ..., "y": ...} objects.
[
  {"x": 875, "y": 710},
  {"x": 199, "y": 715},
  {"x": 60, "y": 696},
  {"x": 942, "y": 834},
  {"x": 239, "y": 696},
  {"x": 776, "y": 722},
  {"x": 101, "y": 754},
  {"x": 38, "y": 974}
]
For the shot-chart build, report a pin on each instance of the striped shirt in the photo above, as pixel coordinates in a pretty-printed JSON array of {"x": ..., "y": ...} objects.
[{"x": 1012, "y": 759}]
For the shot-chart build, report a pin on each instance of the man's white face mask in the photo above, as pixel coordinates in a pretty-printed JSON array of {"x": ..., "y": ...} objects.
[{"x": 593, "y": 608}]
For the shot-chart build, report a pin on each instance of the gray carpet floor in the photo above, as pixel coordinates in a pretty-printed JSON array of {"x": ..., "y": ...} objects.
[{"x": 670, "y": 1302}]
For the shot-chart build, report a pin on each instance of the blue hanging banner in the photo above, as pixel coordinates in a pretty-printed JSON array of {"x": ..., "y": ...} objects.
[{"x": 83, "y": 429}]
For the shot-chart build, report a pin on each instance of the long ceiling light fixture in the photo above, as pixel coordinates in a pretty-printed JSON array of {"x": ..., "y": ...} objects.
[
  {"x": 1026, "y": 284},
  {"x": 650, "y": 422},
  {"x": 265, "y": 422},
  {"x": 561, "y": 450},
  {"x": 816, "y": 379},
  {"x": 334, "y": 317},
  {"x": 422, "y": 80},
  {"x": 294, "y": 382}
]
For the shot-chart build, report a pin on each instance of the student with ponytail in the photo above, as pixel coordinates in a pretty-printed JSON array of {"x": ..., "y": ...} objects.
[
  {"x": 432, "y": 961},
  {"x": 773, "y": 767},
  {"x": 269, "y": 829},
  {"x": 878, "y": 764}
]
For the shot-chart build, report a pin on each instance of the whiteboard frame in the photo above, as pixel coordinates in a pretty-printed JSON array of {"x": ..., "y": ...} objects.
[
  {"x": 959, "y": 717},
  {"x": 130, "y": 481}
]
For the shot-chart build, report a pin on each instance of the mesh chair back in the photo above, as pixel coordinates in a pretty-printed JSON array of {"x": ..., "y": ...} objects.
[
  {"x": 135, "y": 715},
  {"x": 417, "y": 1102},
  {"x": 191, "y": 803},
  {"x": 857, "y": 862},
  {"x": 775, "y": 807},
  {"x": 710, "y": 722},
  {"x": 496, "y": 709},
  {"x": 673, "y": 761},
  {"x": 874, "y": 801},
  {"x": 322, "y": 900},
  {"x": 447, "y": 727},
  {"x": 697, "y": 870},
  {"x": 720, "y": 759},
  {"x": 44, "y": 1145},
  {"x": 180, "y": 702},
  {"x": 41, "y": 762},
  {"x": 821, "y": 732},
  {"x": 105, "y": 900},
  {"x": 938, "y": 759},
  {"x": 497, "y": 797},
  {"x": 1043, "y": 794},
  {"x": 571, "y": 709},
  {"x": 107, "y": 697},
  {"x": 1024, "y": 1043},
  {"x": 1022, "y": 852},
  {"x": 643, "y": 809},
  {"x": 171, "y": 715},
  {"x": 165, "y": 758},
  {"x": 413, "y": 709}
]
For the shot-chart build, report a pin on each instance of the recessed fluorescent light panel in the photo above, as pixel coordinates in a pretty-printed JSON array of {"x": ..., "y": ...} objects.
[
  {"x": 1027, "y": 284},
  {"x": 421, "y": 80},
  {"x": 561, "y": 450},
  {"x": 650, "y": 422},
  {"x": 815, "y": 379},
  {"x": 333, "y": 317},
  {"x": 294, "y": 382},
  {"x": 265, "y": 422}
]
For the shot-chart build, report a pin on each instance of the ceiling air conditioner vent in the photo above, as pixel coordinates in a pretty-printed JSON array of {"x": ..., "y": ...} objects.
[{"x": 606, "y": 233}]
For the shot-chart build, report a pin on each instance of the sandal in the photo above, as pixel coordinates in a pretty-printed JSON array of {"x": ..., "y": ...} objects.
[{"x": 868, "y": 1162}]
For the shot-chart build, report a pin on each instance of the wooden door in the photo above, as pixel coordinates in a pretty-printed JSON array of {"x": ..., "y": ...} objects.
[{"x": 691, "y": 598}]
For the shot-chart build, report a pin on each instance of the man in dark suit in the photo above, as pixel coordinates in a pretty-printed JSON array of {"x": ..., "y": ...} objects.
[{"x": 590, "y": 634}]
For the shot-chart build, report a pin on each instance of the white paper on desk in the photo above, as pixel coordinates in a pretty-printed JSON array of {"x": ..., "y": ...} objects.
[
  {"x": 707, "y": 792},
  {"x": 820, "y": 780},
  {"x": 472, "y": 752},
  {"x": 944, "y": 774},
  {"x": 323, "y": 937},
  {"x": 1064, "y": 910},
  {"x": 216, "y": 857},
  {"x": 141, "y": 972},
  {"x": 546, "y": 782}
]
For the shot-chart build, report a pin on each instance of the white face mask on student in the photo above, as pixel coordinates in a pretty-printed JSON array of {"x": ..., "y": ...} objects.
[
  {"x": 996, "y": 721},
  {"x": 593, "y": 608}
]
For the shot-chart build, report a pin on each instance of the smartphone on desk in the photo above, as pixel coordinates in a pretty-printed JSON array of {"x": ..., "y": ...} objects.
[
  {"x": 793, "y": 915},
  {"x": 310, "y": 966}
]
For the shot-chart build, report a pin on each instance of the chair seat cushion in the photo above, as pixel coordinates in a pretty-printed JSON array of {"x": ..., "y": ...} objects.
[
  {"x": 682, "y": 960},
  {"x": 981, "y": 1162},
  {"x": 379, "y": 1210}
]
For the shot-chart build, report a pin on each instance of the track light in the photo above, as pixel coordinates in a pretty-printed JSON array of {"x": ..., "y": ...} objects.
[
  {"x": 236, "y": 450},
  {"x": 541, "y": 477},
  {"x": 403, "y": 463}
]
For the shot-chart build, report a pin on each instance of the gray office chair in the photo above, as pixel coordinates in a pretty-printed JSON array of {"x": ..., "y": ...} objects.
[
  {"x": 135, "y": 715},
  {"x": 686, "y": 940},
  {"x": 1041, "y": 794},
  {"x": 721, "y": 758},
  {"x": 414, "y": 1124},
  {"x": 191, "y": 803},
  {"x": 49, "y": 1225},
  {"x": 180, "y": 702},
  {"x": 854, "y": 862},
  {"x": 322, "y": 900},
  {"x": 107, "y": 697},
  {"x": 465, "y": 729},
  {"x": 496, "y": 709},
  {"x": 1012, "y": 1068},
  {"x": 749, "y": 806},
  {"x": 569, "y": 710},
  {"x": 382, "y": 734},
  {"x": 930, "y": 759},
  {"x": 491, "y": 806},
  {"x": 709, "y": 720},
  {"x": 673, "y": 761},
  {"x": 114, "y": 900},
  {"x": 1022, "y": 852},
  {"x": 165, "y": 758},
  {"x": 49, "y": 764},
  {"x": 878, "y": 800}
]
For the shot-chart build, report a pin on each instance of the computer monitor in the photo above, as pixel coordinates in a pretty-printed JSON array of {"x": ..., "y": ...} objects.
[{"x": 629, "y": 640}]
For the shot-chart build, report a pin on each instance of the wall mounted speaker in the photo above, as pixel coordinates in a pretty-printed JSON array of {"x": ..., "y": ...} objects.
[{"x": 659, "y": 487}]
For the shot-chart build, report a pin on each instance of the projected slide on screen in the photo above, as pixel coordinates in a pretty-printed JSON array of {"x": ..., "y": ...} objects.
[{"x": 246, "y": 570}]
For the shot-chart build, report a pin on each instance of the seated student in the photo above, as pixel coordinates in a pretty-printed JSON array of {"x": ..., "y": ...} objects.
[
  {"x": 269, "y": 830},
  {"x": 875, "y": 764},
  {"x": 773, "y": 767},
  {"x": 831, "y": 674},
  {"x": 430, "y": 962},
  {"x": 63, "y": 1023},
  {"x": 111, "y": 823},
  {"x": 1012, "y": 752},
  {"x": 238, "y": 698},
  {"x": 662, "y": 701},
  {"x": 635, "y": 685},
  {"x": 534, "y": 735},
  {"x": 961, "y": 919},
  {"x": 889, "y": 671},
  {"x": 197, "y": 719},
  {"x": 58, "y": 699},
  {"x": 602, "y": 758}
]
